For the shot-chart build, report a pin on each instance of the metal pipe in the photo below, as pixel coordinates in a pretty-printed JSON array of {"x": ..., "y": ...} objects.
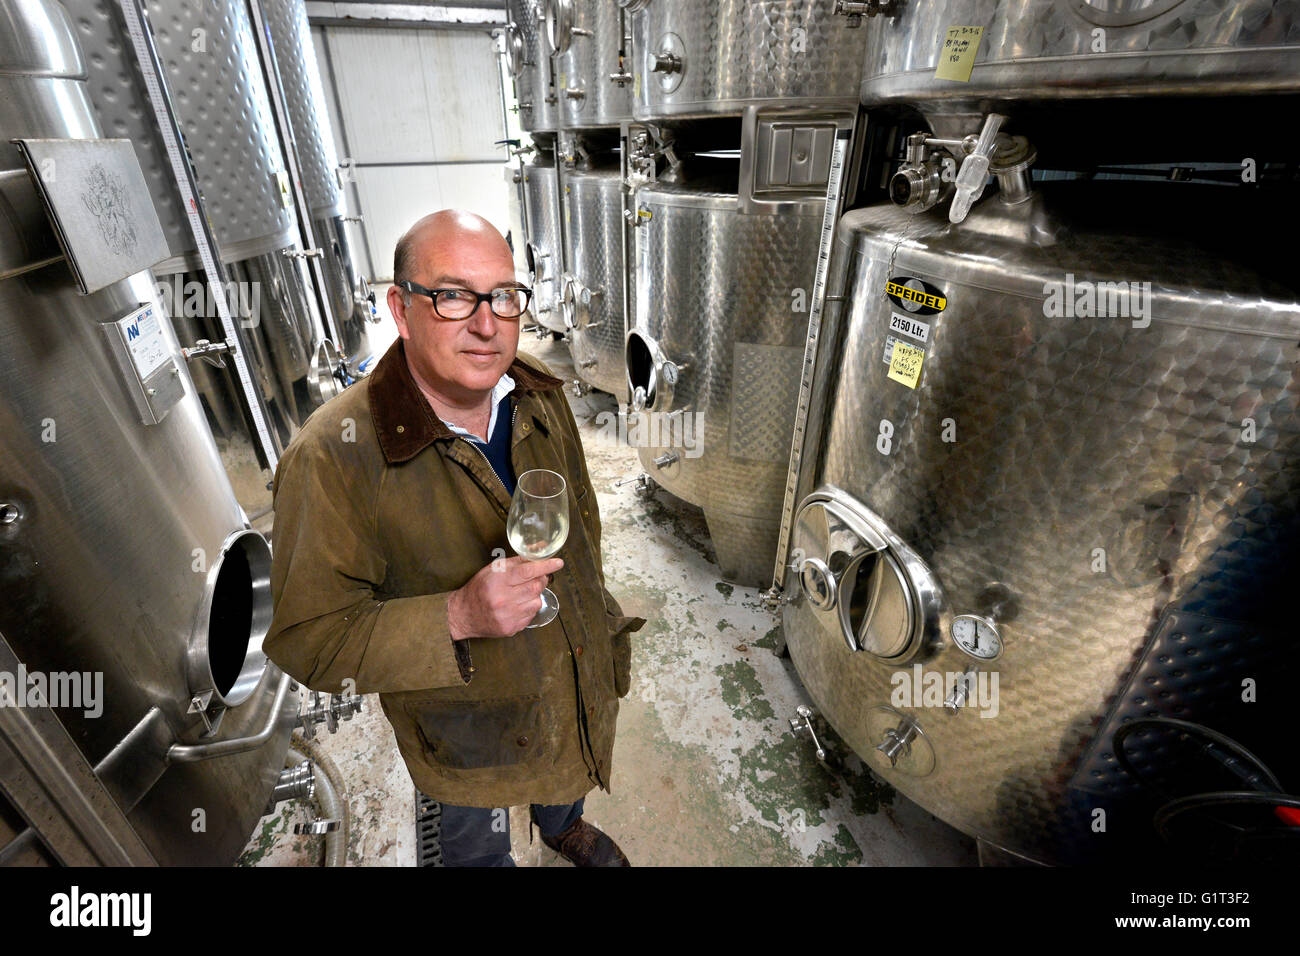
[
  {"x": 331, "y": 796},
  {"x": 191, "y": 753}
]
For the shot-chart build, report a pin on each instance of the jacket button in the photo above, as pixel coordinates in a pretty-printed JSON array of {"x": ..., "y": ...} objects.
[
  {"x": 400, "y": 429},
  {"x": 522, "y": 741},
  {"x": 578, "y": 650}
]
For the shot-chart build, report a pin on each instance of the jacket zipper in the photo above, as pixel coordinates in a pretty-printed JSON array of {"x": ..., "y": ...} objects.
[{"x": 513, "y": 416}]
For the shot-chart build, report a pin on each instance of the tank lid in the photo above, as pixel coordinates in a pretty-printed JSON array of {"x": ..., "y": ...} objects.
[{"x": 36, "y": 39}]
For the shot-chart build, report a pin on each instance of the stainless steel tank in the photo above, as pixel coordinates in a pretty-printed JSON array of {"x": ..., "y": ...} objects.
[
  {"x": 592, "y": 63},
  {"x": 1082, "y": 467},
  {"x": 528, "y": 58},
  {"x": 545, "y": 254},
  {"x": 591, "y": 299},
  {"x": 124, "y": 553},
  {"x": 713, "y": 353},
  {"x": 696, "y": 58},
  {"x": 213, "y": 70},
  {"x": 1048, "y": 51},
  {"x": 318, "y": 162}
]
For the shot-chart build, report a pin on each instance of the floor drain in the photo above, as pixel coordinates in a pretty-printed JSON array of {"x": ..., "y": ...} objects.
[{"x": 428, "y": 828}]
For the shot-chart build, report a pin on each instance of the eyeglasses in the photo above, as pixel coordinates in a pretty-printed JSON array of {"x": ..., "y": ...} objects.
[{"x": 453, "y": 304}]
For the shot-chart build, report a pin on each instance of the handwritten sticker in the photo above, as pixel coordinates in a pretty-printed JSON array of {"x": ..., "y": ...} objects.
[
  {"x": 957, "y": 55},
  {"x": 905, "y": 365},
  {"x": 636, "y": 85}
]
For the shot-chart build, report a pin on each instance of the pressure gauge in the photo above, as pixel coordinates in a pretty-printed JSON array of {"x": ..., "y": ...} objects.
[{"x": 976, "y": 636}]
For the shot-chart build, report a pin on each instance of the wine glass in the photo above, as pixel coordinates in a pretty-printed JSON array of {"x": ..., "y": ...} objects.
[{"x": 538, "y": 526}]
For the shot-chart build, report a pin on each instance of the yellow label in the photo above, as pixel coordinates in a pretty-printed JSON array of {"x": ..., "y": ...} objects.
[
  {"x": 936, "y": 302},
  {"x": 905, "y": 365},
  {"x": 957, "y": 56},
  {"x": 636, "y": 85},
  {"x": 564, "y": 80},
  {"x": 286, "y": 197}
]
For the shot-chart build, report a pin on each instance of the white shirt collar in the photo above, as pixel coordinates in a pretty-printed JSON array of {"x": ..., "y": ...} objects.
[{"x": 504, "y": 386}]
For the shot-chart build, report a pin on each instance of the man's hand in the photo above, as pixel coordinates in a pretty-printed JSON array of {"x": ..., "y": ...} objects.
[{"x": 500, "y": 599}]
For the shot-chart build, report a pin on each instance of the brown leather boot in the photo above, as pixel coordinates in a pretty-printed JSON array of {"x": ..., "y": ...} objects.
[{"x": 585, "y": 845}]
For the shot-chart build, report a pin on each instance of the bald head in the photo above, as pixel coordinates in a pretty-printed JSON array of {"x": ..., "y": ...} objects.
[
  {"x": 457, "y": 360},
  {"x": 439, "y": 230}
]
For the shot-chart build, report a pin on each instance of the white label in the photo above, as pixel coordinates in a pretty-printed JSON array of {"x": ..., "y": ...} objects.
[
  {"x": 909, "y": 326},
  {"x": 144, "y": 337},
  {"x": 890, "y": 342}
]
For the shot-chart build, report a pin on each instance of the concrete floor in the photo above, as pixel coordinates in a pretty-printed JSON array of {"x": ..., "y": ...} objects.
[{"x": 706, "y": 769}]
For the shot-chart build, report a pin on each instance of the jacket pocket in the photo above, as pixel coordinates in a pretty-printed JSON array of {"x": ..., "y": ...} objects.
[{"x": 475, "y": 734}]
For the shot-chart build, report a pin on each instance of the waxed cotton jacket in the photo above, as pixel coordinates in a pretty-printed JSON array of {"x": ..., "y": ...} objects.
[{"x": 380, "y": 512}]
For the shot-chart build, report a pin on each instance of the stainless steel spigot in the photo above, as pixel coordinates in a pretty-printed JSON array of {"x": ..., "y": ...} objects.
[{"x": 804, "y": 722}]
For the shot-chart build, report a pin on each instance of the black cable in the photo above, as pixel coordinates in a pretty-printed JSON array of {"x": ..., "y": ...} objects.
[
  {"x": 1121, "y": 735},
  {"x": 1223, "y": 798}
]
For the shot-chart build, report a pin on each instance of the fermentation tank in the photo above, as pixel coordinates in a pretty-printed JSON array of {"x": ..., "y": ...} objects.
[
  {"x": 713, "y": 355},
  {"x": 592, "y": 292},
  {"x": 1041, "y": 50},
  {"x": 213, "y": 71},
  {"x": 723, "y": 274},
  {"x": 295, "y": 58},
  {"x": 545, "y": 252},
  {"x": 124, "y": 554},
  {"x": 695, "y": 58},
  {"x": 591, "y": 63},
  {"x": 1092, "y": 484},
  {"x": 528, "y": 58},
  {"x": 1048, "y": 501}
]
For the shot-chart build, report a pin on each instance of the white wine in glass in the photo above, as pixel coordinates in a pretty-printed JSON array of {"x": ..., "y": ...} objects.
[{"x": 538, "y": 526}]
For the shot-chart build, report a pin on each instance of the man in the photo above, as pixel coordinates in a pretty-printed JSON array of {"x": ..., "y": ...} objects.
[{"x": 392, "y": 570}]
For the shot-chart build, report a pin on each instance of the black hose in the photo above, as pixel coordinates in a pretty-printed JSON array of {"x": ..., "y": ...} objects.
[{"x": 1192, "y": 729}]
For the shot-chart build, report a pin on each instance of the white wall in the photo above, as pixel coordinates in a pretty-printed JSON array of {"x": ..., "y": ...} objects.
[{"x": 417, "y": 111}]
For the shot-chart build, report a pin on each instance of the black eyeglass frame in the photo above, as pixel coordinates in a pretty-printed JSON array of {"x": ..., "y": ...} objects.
[{"x": 481, "y": 297}]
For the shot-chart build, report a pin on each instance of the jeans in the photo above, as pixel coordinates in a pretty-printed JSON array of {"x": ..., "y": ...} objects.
[{"x": 480, "y": 836}]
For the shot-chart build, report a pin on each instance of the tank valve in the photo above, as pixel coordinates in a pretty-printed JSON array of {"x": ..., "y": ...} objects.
[
  {"x": 960, "y": 692},
  {"x": 339, "y": 707},
  {"x": 209, "y": 352},
  {"x": 294, "y": 783},
  {"x": 622, "y": 77},
  {"x": 589, "y": 363},
  {"x": 856, "y": 11},
  {"x": 919, "y": 184},
  {"x": 666, "y": 459},
  {"x": 580, "y": 388},
  {"x": 302, "y": 253},
  {"x": 898, "y": 741},
  {"x": 576, "y": 93},
  {"x": 665, "y": 62},
  {"x": 804, "y": 722},
  {"x": 642, "y": 484},
  {"x": 975, "y": 169}
]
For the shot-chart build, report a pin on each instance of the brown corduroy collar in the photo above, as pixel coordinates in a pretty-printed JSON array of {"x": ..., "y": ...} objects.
[{"x": 401, "y": 414}]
